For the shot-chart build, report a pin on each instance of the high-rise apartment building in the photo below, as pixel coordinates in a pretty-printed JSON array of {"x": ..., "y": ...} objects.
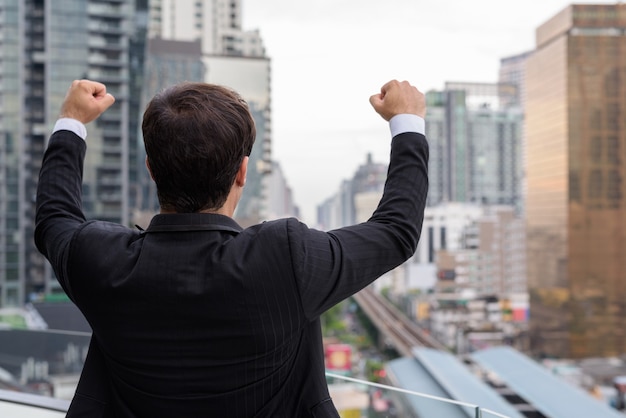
[
  {"x": 216, "y": 23},
  {"x": 281, "y": 203},
  {"x": 45, "y": 45},
  {"x": 474, "y": 131},
  {"x": 356, "y": 199},
  {"x": 235, "y": 58},
  {"x": 513, "y": 73},
  {"x": 576, "y": 174}
]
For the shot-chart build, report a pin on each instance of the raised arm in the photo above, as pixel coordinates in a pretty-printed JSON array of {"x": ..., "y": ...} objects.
[
  {"x": 59, "y": 191},
  {"x": 332, "y": 266}
]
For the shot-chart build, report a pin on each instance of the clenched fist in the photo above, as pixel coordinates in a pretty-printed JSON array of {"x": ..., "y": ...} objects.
[
  {"x": 397, "y": 97},
  {"x": 86, "y": 100}
]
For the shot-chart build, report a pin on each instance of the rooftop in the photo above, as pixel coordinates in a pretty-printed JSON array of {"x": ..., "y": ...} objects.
[{"x": 552, "y": 396}]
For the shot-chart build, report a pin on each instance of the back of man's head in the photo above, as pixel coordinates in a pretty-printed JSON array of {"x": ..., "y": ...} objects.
[{"x": 196, "y": 136}]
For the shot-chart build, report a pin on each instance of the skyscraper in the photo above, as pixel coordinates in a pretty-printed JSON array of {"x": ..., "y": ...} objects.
[
  {"x": 576, "y": 179},
  {"x": 474, "y": 130},
  {"x": 513, "y": 72},
  {"x": 44, "y": 48}
]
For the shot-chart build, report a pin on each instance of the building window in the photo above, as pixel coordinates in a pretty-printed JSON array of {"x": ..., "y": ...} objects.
[
  {"x": 442, "y": 237},
  {"x": 595, "y": 184},
  {"x": 431, "y": 244},
  {"x": 612, "y": 116},
  {"x": 596, "y": 149},
  {"x": 614, "y": 187},
  {"x": 574, "y": 186},
  {"x": 613, "y": 150}
]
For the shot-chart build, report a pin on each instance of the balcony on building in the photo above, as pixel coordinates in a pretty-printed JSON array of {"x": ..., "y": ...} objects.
[
  {"x": 106, "y": 27},
  {"x": 106, "y": 10}
]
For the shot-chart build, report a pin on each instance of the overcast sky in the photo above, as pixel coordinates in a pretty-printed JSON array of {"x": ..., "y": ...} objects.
[{"x": 329, "y": 56}]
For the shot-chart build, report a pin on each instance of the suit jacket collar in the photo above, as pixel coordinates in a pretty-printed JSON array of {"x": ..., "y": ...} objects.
[{"x": 193, "y": 222}]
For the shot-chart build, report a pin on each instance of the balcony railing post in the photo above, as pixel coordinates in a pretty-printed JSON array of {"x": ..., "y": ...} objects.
[{"x": 479, "y": 413}]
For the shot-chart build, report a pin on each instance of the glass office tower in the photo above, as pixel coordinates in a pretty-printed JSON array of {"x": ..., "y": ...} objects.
[
  {"x": 46, "y": 45},
  {"x": 576, "y": 207}
]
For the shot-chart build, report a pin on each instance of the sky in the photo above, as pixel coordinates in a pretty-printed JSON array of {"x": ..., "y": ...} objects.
[{"x": 329, "y": 56}]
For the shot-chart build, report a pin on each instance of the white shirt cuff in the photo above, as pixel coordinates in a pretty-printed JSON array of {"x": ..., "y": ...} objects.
[
  {"x": 69, "y": 124},
  {"x": 407, "y": 122}
]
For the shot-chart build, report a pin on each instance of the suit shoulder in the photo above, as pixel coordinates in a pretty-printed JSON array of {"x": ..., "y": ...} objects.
[
  {"x": 284, "y": 229},
  {"x": 266, "y": 227},
  {"x": 101, "y": 233}
]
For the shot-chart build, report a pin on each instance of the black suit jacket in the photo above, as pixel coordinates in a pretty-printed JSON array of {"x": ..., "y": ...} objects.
[{"x": 198, "y": 317}]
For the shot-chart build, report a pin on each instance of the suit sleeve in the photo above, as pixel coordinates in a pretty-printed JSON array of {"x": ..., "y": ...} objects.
[
  {"x": 59, "y": 200},
  {"x": 331, "y": 266}
]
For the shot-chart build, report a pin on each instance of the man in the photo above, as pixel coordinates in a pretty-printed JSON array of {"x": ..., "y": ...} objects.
[{"x": 195, "y": 316}]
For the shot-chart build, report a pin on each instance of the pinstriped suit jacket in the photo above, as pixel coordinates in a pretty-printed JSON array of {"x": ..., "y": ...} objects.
[{"x": 198, "y": 317}]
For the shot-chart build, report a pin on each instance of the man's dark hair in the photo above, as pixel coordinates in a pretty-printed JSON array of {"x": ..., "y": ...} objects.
[{"x": 196, "y": 136}]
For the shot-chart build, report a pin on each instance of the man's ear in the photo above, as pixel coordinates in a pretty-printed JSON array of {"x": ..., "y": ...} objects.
[
  {"x": 240, "y": 179},
  {"x": 149, "y": 170}
]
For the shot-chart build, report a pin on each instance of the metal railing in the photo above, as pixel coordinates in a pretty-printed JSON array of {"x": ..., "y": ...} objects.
[{"x": 477, "y": 410}]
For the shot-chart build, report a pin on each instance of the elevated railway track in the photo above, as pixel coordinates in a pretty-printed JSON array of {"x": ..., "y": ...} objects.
[{"x": 403, "y": 333}]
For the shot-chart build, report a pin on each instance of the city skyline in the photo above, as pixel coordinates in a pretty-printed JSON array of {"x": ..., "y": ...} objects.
[
  {"x": 327, "y": 50},
  {"x": 544, "y": 272}
]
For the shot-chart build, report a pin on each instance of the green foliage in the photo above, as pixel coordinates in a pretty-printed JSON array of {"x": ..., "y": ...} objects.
[
  {"x": 332, "y": 321},
  {"x": 335, "y": 324},
  {"x": 374, "y": 370},
  {"x": 14, "y": 321}
]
